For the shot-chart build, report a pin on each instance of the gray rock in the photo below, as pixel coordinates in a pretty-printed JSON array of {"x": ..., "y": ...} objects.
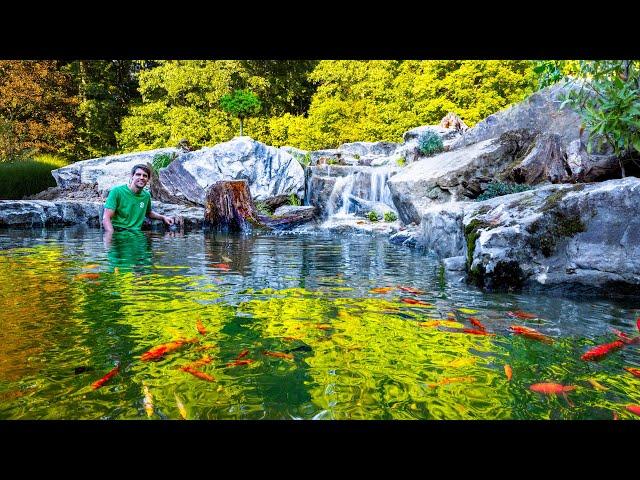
[
  {"x": 269, "y": 171},
  {"x": 105, "y": 172},
  {"x": 585, "y": 235},
  {"x": 540, "y": 114},
  {"x": 30, "y": 213},
  {"x": 292, "y": 210},
  {"x": 450, "y": 176},
  {"x": 455, "y": 264}
]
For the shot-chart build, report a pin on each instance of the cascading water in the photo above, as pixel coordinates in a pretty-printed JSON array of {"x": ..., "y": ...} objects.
[{"x": 360, "y": 188}]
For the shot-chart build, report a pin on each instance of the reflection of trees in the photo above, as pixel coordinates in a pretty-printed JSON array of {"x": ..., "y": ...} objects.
[{"x": 35, "y": 298}]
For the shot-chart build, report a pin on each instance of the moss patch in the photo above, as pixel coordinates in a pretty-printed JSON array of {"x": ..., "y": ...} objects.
[
  {"x": 471, "y": 234},
  {"x": 545, "y": 233}
]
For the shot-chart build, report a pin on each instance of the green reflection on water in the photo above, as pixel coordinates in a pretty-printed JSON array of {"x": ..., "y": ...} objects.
[{"x": 311, "y": 353}]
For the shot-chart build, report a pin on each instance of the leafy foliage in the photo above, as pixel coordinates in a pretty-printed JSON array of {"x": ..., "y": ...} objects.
[
  {"x": 609, "y": 102},
  {"x": 390, "y": 217},
  {"x": 429, "y": 143},
  {"x": 36, "y": 109},
  {"x": 294, "y": 200},
  {"x": 162, "y": 160},
  {"x": 372, "y": 216},
  {"x": 497, "y": 189}
]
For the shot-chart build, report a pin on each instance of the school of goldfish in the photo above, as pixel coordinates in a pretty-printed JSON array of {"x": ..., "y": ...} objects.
[{"x": 594, "y": 354}]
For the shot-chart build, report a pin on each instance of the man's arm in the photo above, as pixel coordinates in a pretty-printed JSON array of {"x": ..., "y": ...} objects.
[
  {"x": 157, "y": 216},
  {"x": 106, "y": 220}
]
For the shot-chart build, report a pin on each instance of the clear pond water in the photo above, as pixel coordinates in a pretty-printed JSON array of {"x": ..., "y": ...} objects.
[{"x": 296, "y": 326}]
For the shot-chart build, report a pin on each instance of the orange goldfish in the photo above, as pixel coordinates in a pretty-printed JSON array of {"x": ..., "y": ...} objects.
[
  {"x": 411, "y": 290},
  {"x": 633, "y": 371},
  {"x": 553, "y": 389},
  {"x": 431, "y": 323},
  {"x": 221, "y": 266},
  {"x": 88, "y": 276},
  {"x": 92, "y": 266},
  {"x": 278, "y": 354},
  {"x": 381, "y": 290},
  {"x": 477, "y": 332},
  {"x": 599, "y": 352},
  {"x": 633, "y": 409},
  {"x": 237, "y": 363},
  {"x": 522, "y": 315},
  {"x": 638, "y": 323},
  {"x": 476, "y": 323},
  {"x": 114, "y": 371},
  {"x": 159, "y": 351},
  {"x": 508, "y": 372},
  {"x": 198, "y": 373},
  {"x": 413, "y": 301},
  {"x": 446, "y": 381},
  {"x": 530, "y": 333},
  {"x": 200, "y": 327}
]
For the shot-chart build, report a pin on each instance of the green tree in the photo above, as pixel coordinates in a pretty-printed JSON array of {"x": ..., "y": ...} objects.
[
  {"x": 241, "y": 104},
  {"x": 106, "y": 89}
]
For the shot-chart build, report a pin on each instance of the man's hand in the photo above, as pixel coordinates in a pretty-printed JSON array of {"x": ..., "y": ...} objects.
[{"x": 168, "y": 220}]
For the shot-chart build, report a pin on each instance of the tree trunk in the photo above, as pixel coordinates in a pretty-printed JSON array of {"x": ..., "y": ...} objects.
[
  {"x": 240, "y": 126},
  {"x": 229, "y": 207}
]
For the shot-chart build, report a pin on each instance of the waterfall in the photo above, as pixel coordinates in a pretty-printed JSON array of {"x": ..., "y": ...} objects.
[
  {"x": 379, "y": 189},
  {"x": 338, "y": 202}
]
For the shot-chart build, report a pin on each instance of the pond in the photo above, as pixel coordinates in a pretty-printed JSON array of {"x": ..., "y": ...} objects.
[{"x": 293, "y": 326}]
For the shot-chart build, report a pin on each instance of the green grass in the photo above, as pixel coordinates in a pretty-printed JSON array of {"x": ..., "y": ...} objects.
[{"x": 26, "y": 177}]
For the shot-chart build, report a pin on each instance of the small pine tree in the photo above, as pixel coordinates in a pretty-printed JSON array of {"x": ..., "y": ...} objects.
[{"x": 242, "y": 104}]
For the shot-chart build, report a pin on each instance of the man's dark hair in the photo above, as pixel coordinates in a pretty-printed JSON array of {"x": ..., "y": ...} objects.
[{"x": 141, "y": 167}]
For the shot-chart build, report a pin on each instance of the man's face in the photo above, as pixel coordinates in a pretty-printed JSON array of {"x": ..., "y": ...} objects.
[{"x": 139, "y": 178}]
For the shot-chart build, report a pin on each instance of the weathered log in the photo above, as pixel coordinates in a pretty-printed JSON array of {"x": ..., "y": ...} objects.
[
  {"x": 229, "y": 207},
  {"x": 288, "y": 219}
]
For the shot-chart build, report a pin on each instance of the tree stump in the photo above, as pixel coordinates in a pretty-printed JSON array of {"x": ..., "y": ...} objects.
[{"x": 230, "y": 208}]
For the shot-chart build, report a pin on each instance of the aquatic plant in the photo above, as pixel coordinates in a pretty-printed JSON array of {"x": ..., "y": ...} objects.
[{"x": 294, "y": 200}]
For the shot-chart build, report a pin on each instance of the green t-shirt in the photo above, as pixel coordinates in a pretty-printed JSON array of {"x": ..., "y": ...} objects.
[{"x": 131, "y": 209}]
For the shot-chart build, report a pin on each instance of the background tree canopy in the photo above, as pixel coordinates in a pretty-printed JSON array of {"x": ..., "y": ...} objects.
[{"x": 101, "y": 107}]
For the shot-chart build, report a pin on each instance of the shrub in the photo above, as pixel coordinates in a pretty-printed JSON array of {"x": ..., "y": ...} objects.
[
  {"x": 429, "y": 142},
  {"x": 356, "y": 156},
  {"x": 263, "y": 208},
  {"x": 28, "y": 177},
  {"x": 390, "y": 217},
  {"x": 162, "y": 160},
  {"x": 497, "y": 189},
  {"x": 294, "y": 200},
  {"x": 373, "y": 216},
  {"x": 401, "y": 162}
]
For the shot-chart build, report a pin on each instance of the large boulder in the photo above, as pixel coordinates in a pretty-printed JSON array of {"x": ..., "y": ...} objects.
[
  {"x": 104, "y": 173},
  {"x": 585, "y": 235},
  {"x": 269, "y": 171},
  {"x": 558, "y": 137},
  {"x": 454, "y": 175}
]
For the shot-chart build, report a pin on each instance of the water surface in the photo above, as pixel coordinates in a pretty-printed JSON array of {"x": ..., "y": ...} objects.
[{"x": 293, "y": 329}]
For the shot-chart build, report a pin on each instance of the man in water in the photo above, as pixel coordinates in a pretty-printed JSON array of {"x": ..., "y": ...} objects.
[{"x": 128, "y": 205}]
